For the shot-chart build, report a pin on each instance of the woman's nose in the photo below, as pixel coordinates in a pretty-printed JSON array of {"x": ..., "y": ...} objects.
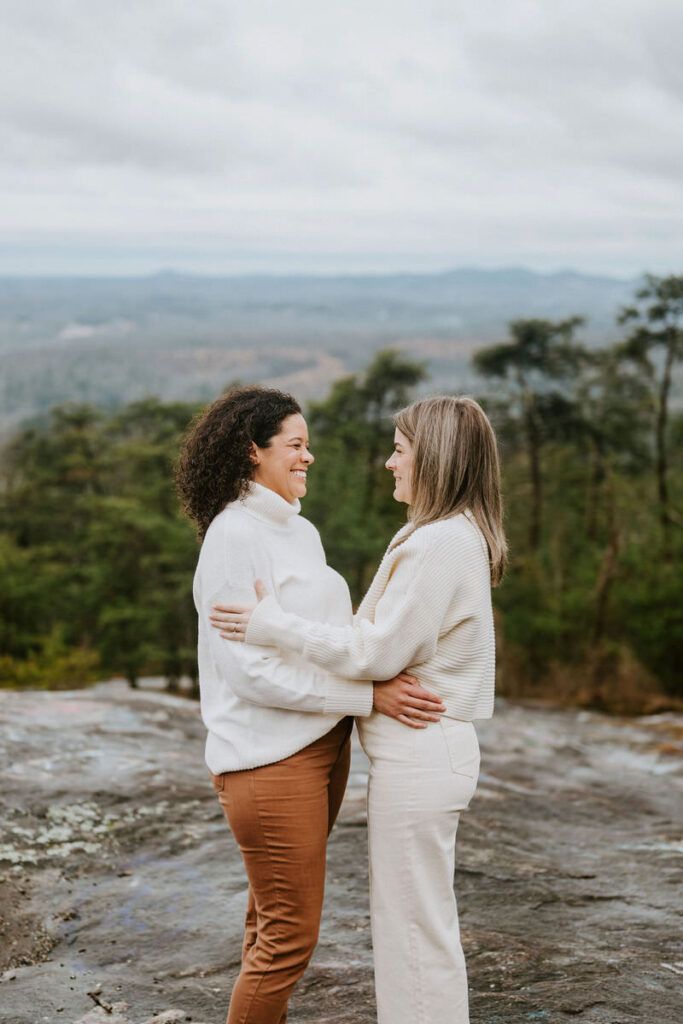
[{"x": 309, "y": 457}]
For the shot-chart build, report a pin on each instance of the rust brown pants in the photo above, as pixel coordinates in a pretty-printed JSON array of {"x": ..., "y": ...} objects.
[{"x": 281, "y": 815}]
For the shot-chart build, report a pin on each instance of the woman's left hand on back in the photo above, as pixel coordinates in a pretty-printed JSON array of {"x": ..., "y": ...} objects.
[
  {"x": 232, "y": 619},
  {"x": 404, "y": 699}
]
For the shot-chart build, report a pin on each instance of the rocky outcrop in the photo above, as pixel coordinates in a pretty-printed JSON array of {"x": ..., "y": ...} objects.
[{"x": 123, "y": 892}]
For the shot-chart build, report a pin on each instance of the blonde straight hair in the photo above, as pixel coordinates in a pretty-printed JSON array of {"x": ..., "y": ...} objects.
[{"x": 455, "y": 468}]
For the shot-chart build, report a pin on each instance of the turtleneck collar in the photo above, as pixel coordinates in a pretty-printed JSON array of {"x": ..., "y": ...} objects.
[{"x": 265, "y": 504}]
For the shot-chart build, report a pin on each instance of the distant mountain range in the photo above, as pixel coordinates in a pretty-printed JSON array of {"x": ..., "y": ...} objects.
[{"x": 110, "y": 340}]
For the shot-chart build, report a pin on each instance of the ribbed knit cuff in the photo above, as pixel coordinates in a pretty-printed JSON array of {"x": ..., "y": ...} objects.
[
  {"x": 319, "y": 651},
  {"x": 270, "y": 626},
  {"x": 348, "y": 697}
]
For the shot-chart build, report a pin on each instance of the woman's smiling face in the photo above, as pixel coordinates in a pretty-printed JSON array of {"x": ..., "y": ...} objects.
[
  {"x": 282, "y": 466},
  {"x": 400, "y": 463}
]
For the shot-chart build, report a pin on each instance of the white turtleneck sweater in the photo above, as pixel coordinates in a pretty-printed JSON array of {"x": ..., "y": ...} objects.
[
  {"x": 428, "y": 612},
  {"x": 260, "y": 705}
]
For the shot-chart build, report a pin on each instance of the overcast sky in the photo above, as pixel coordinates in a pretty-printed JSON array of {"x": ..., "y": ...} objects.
[{"x": 212, "y": 135}]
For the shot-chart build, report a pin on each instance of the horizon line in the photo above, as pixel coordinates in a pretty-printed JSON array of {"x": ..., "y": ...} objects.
[{"x": 172, "y": 272}]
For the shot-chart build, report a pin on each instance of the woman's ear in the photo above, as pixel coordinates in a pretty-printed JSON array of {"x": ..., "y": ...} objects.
[{"x": 254, "y": 454}]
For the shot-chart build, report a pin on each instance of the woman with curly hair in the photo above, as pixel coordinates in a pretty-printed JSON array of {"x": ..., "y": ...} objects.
[
  {"x": 278, "y": 727},
  {"x": 428, "y": 608}
]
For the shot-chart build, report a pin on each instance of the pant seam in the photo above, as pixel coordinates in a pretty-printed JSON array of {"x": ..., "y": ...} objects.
[
  {"x": 271, "y": 956},
  {"x": 276, "y": 891},
  {"x": 415, "y": 928}
]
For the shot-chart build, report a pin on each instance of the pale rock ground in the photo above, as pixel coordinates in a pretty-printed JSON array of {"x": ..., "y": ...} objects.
[{"x": 122, "y": 891}]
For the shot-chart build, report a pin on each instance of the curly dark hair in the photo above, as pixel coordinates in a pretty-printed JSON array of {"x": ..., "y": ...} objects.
[{"x": 214, "y": 466}]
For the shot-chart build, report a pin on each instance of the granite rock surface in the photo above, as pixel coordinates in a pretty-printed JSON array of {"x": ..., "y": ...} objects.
[{"x": 122, "y": 891}]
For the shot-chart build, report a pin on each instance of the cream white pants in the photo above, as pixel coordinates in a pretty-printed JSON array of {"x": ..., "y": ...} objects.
[{"x": 420, "y": 781}]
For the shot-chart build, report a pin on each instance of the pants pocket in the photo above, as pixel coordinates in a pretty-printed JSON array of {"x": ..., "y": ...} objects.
[{"x": 463, "y": 747}]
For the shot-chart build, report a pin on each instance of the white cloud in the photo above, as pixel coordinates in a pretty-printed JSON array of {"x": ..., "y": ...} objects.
[{"x": 530, "y": 132}]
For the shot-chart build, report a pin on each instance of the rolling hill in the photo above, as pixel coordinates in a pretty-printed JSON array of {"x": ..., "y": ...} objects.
[{"x": 111, "y": 340}]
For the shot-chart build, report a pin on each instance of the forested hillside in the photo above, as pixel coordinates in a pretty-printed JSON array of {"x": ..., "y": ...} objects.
[
  {"x": 111, "y": 341},
  {"x": 97, "y": 563}
]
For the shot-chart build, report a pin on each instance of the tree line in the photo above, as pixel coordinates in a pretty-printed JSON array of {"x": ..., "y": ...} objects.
[{"x": 97, "y": 562}]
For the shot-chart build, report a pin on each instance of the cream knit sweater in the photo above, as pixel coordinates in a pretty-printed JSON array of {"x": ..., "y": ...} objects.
[
  {"x": 260, "y": 705},
  {"x": 428, "y": 611}
]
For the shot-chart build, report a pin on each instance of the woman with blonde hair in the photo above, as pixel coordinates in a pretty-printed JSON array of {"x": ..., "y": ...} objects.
[{"x": 427, "y": 613}]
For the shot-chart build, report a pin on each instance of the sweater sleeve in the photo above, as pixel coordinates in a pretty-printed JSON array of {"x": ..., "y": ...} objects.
[
  {"x": 260, "y": 675},
  {"x": 407, "y": 622}
]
